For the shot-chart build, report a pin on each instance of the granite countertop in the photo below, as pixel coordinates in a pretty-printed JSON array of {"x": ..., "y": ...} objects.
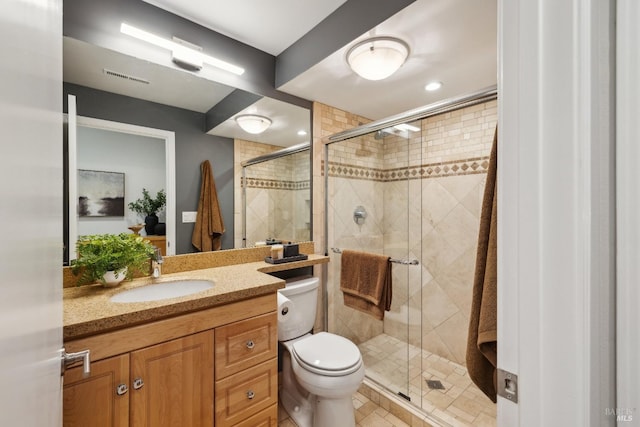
[{"x": 89, "y": 311}]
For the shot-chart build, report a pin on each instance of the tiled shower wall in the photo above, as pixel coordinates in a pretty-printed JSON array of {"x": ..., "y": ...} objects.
[
  {"x": 278, "y": 201},
  {"x": 423, "y": 198}
]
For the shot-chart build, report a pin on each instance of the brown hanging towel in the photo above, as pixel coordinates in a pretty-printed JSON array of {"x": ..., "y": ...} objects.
[
  {"x": 365, "y": 280},
  {"x": 207, "y": 233},
  {"x": 482, "y": 343}
]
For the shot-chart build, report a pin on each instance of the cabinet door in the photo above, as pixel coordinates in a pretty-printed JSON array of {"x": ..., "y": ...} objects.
[
  {"x": 172, "y": 383},
  {"x": 95, "y": 401}
]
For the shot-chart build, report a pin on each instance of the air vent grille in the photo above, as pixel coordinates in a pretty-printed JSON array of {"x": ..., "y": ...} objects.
[{"x": 125, "y": 76}]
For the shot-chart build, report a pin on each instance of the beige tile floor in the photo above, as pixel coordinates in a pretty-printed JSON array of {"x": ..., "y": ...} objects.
[{"x": 460, "y": 404}]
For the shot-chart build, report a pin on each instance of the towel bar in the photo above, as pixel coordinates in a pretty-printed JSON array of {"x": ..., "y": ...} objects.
[{"x": 393, "y": 260}]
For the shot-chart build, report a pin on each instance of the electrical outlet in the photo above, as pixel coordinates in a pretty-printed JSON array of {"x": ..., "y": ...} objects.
[{"x": 189, "y": 217}]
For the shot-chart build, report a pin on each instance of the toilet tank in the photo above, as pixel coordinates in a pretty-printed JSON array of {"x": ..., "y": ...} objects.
[{"x": 303, "y": 294}]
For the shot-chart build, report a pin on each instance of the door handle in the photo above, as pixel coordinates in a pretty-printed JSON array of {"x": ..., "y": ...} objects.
[{"x": 69, "y": 359}]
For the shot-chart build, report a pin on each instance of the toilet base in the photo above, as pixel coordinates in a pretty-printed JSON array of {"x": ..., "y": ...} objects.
[
  {"x": 316, "y": 412},
  {"x": 299, "y": 410},
  {"x": 333, "y": 412}
]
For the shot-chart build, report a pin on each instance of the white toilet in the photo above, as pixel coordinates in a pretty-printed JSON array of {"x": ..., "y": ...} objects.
[{"x": 321, "y": 372}]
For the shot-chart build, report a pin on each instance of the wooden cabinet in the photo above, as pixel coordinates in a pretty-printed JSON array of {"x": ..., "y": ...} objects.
[
  {"x": 162, "y": 373},
  {"x": 95, "y": 401},
  {"x": 169, "y": 384},
  {"x": 246, "y": 371},
  {"x": 172, "y": 383}
]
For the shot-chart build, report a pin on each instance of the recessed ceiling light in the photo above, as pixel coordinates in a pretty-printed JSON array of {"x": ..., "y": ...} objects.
[
  {"x": 431, "y": 86},
  {"x": 302, "y": 132}
]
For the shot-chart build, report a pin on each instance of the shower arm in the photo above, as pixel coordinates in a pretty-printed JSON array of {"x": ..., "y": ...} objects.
[{"x": 393, "y": 260}]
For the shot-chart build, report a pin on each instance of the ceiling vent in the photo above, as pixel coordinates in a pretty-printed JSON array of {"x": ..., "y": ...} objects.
[{"x": 125, "y": 76}]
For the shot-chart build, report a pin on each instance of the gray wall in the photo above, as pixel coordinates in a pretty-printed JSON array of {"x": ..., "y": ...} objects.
[{"x": 193, "y": 146}]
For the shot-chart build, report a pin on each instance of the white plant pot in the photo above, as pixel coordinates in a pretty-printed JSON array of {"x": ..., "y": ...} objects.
[{"x": 111, "y": 279}]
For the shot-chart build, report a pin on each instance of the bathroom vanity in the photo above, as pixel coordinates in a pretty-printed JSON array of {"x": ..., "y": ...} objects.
[{"x": 200, "y": 360}]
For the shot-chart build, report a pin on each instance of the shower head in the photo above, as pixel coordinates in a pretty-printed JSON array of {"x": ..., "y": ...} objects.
[{"x": 380, "y": 134}]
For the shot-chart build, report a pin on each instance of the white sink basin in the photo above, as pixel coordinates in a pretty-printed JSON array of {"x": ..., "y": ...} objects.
[{"x": 162, "y": 291}]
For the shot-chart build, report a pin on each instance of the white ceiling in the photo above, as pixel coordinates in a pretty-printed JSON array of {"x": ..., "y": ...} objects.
[
  {"x": 454, "y": 41},
  {"x": 269, "y": 25}
]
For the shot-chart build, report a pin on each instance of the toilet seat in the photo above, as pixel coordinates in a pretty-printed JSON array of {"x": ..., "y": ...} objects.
[{"x": 327, "y": 354}]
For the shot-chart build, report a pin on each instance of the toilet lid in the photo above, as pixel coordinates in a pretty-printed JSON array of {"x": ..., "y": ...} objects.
[{"x": 327, "y": 354}]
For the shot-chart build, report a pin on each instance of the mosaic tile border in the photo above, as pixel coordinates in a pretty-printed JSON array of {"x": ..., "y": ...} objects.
[
  {"x": 275, "y": 184},
  {"x": 470, "y": 166}
]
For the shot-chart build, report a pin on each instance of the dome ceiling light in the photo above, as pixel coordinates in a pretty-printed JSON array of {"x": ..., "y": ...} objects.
[
  {"x": 253, "y": 123},
  {"x": 377, "y": 58}
]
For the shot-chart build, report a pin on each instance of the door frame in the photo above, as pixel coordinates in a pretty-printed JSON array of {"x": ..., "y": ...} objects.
[
  {"x": 628, "y": 211},
  {"x": 167, "y": 137}
]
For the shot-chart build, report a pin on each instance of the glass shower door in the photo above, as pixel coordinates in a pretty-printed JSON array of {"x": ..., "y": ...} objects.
[{"x": 374, "y": 206}]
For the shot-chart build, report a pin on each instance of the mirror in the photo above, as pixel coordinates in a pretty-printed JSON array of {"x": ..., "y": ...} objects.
[
  {"x": 120, "y": 88},
  {"x": 277, "y": 197}
]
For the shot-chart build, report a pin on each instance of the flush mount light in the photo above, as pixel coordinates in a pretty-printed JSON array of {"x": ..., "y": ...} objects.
[
  {"x": 185, "y": 54},
  {"x": 252, "y": 123},
  {"x": 377, "y": 58},
  {"x": 431, "y": 86}
]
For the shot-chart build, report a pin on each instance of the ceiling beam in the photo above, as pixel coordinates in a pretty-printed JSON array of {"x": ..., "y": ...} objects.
[
  {"x": 232, "y": 104},
  {"x": 345, "y": 24}
]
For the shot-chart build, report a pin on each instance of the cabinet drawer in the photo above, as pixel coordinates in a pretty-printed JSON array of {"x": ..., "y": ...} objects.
[
  {"x": 266, "y": 418},
  {"x": 243, "y": 395},
  {"x": 246, "y": 343}
]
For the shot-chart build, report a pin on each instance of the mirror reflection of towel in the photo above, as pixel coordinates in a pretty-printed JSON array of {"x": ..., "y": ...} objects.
[
  {"x": 482, "y": 343},
  {"x": 209, "y": 227}
]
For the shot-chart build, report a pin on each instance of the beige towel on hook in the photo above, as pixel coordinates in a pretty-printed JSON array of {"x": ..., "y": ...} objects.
[
  {"x": 209, "y": 227},
  {"x": 482, "y": 343},
  {"x": 365, "y": 280}
]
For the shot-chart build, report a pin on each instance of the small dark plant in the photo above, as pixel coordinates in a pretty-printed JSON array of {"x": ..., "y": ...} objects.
[
  {"x": 148, "y": 205},
  {"x": 100, "y": 253}
]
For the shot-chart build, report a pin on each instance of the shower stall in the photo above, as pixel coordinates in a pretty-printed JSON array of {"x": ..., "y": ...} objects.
[{"x": 411, "y": 187}]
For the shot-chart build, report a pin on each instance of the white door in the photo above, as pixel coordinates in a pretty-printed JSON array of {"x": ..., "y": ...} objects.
[
  {"x": 30, "y": 213},
  {"x": 556, "y": 211}
]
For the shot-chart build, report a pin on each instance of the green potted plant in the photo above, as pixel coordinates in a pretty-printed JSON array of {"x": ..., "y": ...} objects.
[
  {"x": 149, "y": 206},
  {"x": 111, "y": 258}
]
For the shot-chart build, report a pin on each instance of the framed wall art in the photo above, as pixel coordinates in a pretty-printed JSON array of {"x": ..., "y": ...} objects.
[{"x": 100, "y": 193}]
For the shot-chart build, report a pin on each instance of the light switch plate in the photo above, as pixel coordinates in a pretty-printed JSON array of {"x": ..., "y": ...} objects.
[{"x": 189, "y": 217}]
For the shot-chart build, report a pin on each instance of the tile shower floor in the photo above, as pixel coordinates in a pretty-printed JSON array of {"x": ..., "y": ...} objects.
[{"x": 460, "y": 403}]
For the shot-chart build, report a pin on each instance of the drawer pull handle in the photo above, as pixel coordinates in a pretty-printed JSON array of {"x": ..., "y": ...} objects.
[
  {"x": 250, "y": 395},
  {"x": 122, "y": 389},
  {"x": 250, "y": 344},
  {"x": 138, "y": 383}
]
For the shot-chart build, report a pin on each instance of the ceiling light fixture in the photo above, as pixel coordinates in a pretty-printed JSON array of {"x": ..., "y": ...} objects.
[
  {"x": 184, "y": 53},
  {"x": 252, "y": 123},
  {"x": 377, "y": 58},
  {"x": 431, "y": 86}
]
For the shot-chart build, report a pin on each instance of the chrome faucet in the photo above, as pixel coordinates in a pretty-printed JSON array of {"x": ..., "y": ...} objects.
[{"x": 156, "y": 264}]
